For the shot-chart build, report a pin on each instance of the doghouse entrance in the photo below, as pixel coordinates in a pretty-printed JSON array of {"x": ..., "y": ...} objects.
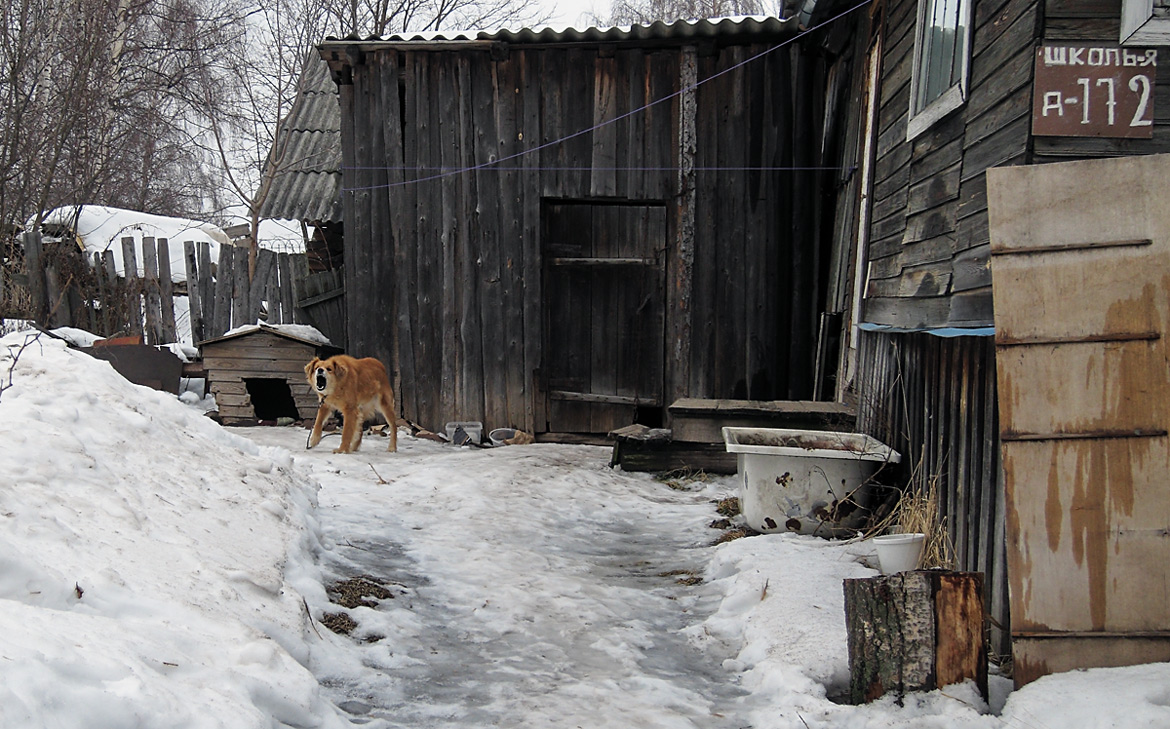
[{"x": 271, "y": 398}]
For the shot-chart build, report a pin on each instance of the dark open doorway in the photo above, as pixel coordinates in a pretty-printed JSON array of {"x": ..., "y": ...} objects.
[{"x": 271, "y": 398}]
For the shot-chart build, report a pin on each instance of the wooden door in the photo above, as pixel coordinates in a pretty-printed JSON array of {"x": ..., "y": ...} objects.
[
  {"x": 604, "y": 305},
  {"x": 1081, "y": 280}
]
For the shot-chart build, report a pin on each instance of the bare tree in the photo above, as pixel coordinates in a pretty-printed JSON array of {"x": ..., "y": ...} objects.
[
  {"x": 644, "y": 12},
  {"x": 266, "y": 79}
]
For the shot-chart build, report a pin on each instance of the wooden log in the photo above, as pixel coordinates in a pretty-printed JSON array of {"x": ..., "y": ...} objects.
[{"x": 915, "y": 631}]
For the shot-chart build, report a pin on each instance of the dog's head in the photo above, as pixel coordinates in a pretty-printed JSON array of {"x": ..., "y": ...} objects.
[{"x": 323, "y": 374}]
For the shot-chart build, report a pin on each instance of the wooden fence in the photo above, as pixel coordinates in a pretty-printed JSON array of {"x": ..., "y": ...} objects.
[{"x": 65, "y": 290}]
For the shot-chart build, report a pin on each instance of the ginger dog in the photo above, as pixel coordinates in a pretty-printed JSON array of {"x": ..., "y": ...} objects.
[{"x": 356, "y": 388}]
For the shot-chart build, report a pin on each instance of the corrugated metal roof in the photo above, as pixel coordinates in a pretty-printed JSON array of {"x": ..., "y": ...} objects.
[
  {"x": 308, "y": 185},
  {"x": 740, "y": 28}
]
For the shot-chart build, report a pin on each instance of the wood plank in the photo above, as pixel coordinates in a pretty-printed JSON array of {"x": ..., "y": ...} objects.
[
  {"x": 166, "y": 290},
  {"x": 206, "y": 287},
  {"x": 908, "y": 313},
  {"x": 152, "y": 298},
  {"x": 241, "y": 288},
  {"x": 510, "y": 350},
  {"x": 972, "y": 269},
  {"x": 1081, "y": 30},
  {"x": 194, "y": 300},
  {"x": 533, "y": 300},
  {"x": 603, "y": 178},
  {"x": 932, "y": 223},
  {"x": 133, "y": 287},
  {"x": 224, "y": 283},
  {"x": 467, "y": 279},
  {"x": 264, "y": 272},
  {"x": 34, "y": 258},
  {"x": 941, "y": 187}
]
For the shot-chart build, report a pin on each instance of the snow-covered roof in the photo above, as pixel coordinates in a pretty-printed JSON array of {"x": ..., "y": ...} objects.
[
  {"x": 302, "y": 333},
  {"x": 98, "y": 228}
]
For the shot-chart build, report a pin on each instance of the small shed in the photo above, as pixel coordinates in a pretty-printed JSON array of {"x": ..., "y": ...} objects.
[{"x": 258, "y": 372}]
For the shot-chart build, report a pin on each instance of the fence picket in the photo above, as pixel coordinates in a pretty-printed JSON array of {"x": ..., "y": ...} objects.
[
  {"x": 36, "y": 277},
  {"x": 241, "y": 289},
  {"x": 133, "y": 288},
  {"x": 150, "y": 291},
  {"x": 265, "y": 270},
  {"x": 194, "y": 300},
  {"x": 223, "y": 293},
  {"x": 166, "y": 290},
  {"x": 287, "y": 303}
]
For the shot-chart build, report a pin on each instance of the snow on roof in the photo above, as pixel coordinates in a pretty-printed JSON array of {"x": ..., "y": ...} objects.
[
  {"x": 300, "y": 332},
  {"x": 98, "y": 228}
]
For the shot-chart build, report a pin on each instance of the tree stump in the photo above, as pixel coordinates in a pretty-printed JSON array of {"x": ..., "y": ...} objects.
[{"x": 915, "y": 631}]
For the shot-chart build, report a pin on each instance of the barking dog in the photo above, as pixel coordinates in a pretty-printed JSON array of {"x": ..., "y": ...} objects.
[{"x": 356, "y": 388}]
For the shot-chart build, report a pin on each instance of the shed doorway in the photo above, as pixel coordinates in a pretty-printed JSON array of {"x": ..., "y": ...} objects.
[{"x": 604, "y": 314}]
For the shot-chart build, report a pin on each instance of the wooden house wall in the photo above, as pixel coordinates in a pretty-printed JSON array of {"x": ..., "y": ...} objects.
[
  {"x": 452, "y": 262},
  {"x": 928, "y": 252},
  {"x": 935, "y": 399}
]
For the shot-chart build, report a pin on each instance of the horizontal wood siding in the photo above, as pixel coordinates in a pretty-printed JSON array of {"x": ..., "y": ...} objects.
[
  {"x": 443, "y": 239},
  {"x": 933, "y": 400},
  {"x": 930, "y": 209}
]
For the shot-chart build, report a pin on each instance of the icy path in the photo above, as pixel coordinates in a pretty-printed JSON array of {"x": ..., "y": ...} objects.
[{"x": 534, "y": 586}]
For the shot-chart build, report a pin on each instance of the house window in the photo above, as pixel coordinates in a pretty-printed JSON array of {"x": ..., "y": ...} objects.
[{"x": 939, "y": 83}]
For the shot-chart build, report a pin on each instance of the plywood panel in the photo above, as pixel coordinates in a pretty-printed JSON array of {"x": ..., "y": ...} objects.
[{"x": 1080, "y": 272}]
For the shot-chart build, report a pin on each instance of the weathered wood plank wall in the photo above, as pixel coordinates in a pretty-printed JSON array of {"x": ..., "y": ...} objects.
[
  {"x": 449, "y": 263},
  {"x": 929, "y": 243},
  {"x": 933, "y": 400}
]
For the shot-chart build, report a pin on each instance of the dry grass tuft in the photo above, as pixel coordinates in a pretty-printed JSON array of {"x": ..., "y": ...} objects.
[
  {"x": 735, "y": 533},
  {"x": 728, "y": 507},
  {"x": 917, "y": 512},
  {"x": 681, "y": 479},
  {"x": 339, "y": 623},
  {"x": 355, "y": 592}
]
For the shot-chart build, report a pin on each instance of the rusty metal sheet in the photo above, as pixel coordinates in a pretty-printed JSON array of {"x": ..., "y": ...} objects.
[
  {"x": 1081, "y": 288},
  {"x": 1094, "y": 91}
]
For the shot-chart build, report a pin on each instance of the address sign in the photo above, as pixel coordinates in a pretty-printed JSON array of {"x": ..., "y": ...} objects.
[{"x": 1094, "y": 91}]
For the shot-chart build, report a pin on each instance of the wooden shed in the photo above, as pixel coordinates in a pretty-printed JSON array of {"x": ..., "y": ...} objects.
[
  {"x": 566, "y": 231},
  {"x": 258, "y": 373}
]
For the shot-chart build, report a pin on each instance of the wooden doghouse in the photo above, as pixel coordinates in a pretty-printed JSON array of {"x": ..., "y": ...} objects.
[{"x": 258, "y": 373}]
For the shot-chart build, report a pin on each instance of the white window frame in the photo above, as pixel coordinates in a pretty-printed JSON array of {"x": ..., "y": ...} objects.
[
  {"x": 1140, "y": 26},
  {"x": 922, "y": 119}
]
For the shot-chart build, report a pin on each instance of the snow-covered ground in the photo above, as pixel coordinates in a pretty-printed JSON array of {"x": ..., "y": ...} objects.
[{"x": 157, "y": 570}]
